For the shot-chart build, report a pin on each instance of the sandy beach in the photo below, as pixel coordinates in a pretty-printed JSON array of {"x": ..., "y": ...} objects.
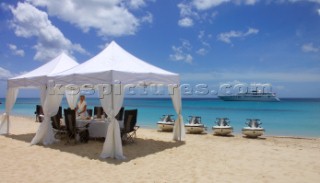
[{"x": 154, "y": 157}]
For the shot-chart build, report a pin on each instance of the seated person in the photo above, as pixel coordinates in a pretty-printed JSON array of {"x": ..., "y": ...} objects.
[{"x": 81, "y": 109}]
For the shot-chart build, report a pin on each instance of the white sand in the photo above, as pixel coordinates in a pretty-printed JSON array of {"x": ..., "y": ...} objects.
[{"x": 154, "y": 157}]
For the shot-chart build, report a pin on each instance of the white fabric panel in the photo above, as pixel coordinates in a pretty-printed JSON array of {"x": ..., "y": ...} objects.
[
  {"x": 50, "y": 108},
  {"x": 72, "y": 97},
  {"x": 179, "y": 132},
  {"x": 112, "y": 104},
  {"x": 43, "y": 94},
  {"x": 11, "y": 98}
]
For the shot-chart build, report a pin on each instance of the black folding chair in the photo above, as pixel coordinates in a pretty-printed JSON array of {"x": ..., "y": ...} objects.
[
  {"x": 119, "y": 116},
  {"x": 59, "y": 129},
  {"x": 39, "y": 113},
  {"x": 98, "y": 111},
  {"x": 89, "y": 111},
  {"x": 72, "y": 129},
  {"x": 128, "y": 133}
]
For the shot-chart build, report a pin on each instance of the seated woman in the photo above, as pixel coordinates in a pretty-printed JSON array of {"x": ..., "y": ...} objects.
[{"x": 81, "y": 109}]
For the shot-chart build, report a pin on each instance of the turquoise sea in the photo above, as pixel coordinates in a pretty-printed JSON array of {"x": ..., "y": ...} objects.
[{"x": 290, "y": 117}]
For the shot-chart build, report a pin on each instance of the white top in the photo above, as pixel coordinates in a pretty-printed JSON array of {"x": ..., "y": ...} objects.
[{"x": 81, "y": 106}]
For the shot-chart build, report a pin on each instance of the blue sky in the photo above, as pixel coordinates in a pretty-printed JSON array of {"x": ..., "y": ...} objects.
[{"x": 205, "y": 41}]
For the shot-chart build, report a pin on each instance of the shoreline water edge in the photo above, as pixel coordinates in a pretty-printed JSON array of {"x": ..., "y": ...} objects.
[{"x": 290, "y": 117}]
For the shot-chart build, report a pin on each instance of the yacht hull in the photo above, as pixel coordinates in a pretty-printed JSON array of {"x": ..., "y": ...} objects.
[{"x": 250, "y": 98}]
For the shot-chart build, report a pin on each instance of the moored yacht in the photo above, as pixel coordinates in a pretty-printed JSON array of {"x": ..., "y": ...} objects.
[{"x": 249, "y": 93}]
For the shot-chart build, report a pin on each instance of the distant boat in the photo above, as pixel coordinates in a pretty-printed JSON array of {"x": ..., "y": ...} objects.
[
  {"x": 195, "y": 125},
  {"x": 254, "y": 129},
  {"x": 166, "y": 123},
  {"x": 251, "y": 95},
  {"x": 222, "y": 127}
]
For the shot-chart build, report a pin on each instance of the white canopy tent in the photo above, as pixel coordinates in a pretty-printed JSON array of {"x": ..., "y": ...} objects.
[
  {"x": 37, "y": 78},
  {"x": 111, "y": 70}
]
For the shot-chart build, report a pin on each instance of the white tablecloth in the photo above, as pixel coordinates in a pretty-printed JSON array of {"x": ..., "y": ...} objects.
[{"x": 97, "y": 127}]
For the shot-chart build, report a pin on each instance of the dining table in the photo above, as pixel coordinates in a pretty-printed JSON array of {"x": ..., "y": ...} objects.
[{"x": 97, "y": 126}]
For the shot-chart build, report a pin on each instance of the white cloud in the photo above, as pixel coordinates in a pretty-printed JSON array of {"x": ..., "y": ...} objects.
[
  {"x": 15, "y": 51},
  {"x": 5, "y": 74},
  {"x": 109, "y": 18},
  {"x": 186, "y": 10},
  {"x": 136, "y": 4},
  {"x": 29, "y": 22},
  {"x": 318, "y": 11},
  {"x": 313, "y": 1},
  {"x": 204, "y": 38},
  {"x": 205, "y": 43},
  {"x": 226, "y": 36},
  {"x": 148, "y": 18},
  {"x": 186, "y": 44},
  {"x": 250, "y": 2},
  {"x": 207, "y": 4},
  {"x": 251, "y": 31},
  {"x": 202, "y": 51},
  {"x": 214, "y": 14},
  {"x": 195, "y": 10},
  {"x": 187, "y": 15},
  {"x": 309, "y": 47},
  {"x": 103, "y": 46},
  {"x": 186, "y": 22},
  {"x": 180, "y": 52}
]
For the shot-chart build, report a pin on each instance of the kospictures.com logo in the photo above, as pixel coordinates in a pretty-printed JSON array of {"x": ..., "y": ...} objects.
[{"x": 143, "y": 89}]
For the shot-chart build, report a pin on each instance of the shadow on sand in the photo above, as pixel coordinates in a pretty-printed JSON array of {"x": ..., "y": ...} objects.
[
  {"x": 92, "y": 149},
  {"x": 254, "y": 138},
  {"x": 223, "y": 136},
  {"x": 22, "y": 137}
]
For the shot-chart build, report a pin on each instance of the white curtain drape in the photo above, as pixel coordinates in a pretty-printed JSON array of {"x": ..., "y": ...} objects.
[
  {"x": 112, "y": 104},
  {"x": 43, "y": 94},
  {"x": 72, "y": 97},
  {"x": 178, "y": 129},
  {"x": 50, "y": 108},
  {"x": 11, "y": 98}
]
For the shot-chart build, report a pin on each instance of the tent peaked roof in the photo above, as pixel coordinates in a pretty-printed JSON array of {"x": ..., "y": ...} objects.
[
  {"x": 56, "y": 65},
  {"x": 38, "y": 76},
  {"x": 115, "y": 63},
  {"x": 115, "y": 58}
]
